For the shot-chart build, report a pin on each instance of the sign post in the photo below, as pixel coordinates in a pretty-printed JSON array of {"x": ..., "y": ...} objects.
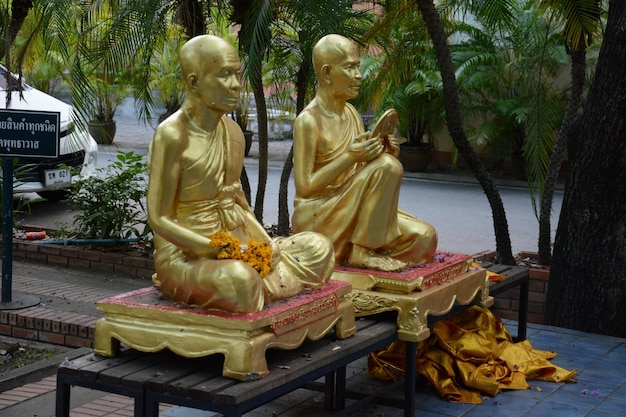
[{"x": 33, "y": 134}]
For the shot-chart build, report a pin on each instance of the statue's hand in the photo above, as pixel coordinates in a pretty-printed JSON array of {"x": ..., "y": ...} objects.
[
  {"x": 392, "y": 145},
  {"x": 365, "y": 149},
  {"x": 208, "y": 252},
  {"x": 362, "y": 137}
]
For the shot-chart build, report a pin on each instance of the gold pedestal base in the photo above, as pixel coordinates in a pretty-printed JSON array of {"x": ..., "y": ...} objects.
[
  {"x": 145, "y": 321},
  {"x": 446, "y": 266},
  {"x": 414, "y": 307}
]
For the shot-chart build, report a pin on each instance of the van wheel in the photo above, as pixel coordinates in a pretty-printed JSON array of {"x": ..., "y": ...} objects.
[{"x": 54, "y": 195}]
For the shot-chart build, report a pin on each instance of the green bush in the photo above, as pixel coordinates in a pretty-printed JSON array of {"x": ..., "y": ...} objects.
[{"x": 111, "y": 203}]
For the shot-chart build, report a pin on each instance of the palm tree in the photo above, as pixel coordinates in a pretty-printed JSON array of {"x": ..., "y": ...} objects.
[
  {"x": 402, "y": 72},
  {"x": 45, "y": 69},
  {"x": 454, "y": 119},
  {"x": 511, "y": 95},
  {"x": 580, "y": 24},
  {"x": 254, "y": 18},
  {"x": 587, "y": 281},
  {"x": 11, "y": 18},
  {"x": 127, "y": 32}
]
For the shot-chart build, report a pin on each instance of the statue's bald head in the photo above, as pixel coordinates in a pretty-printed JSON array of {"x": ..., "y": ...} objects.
[
  {"x": 330, "y": 50},
  {"x": 202, "y": 53}
]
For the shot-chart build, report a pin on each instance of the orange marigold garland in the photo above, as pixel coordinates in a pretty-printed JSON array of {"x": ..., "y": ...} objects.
[{"x": 256, "y": 254}]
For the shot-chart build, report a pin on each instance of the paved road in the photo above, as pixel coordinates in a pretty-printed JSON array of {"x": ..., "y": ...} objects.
[
  {"x": 451, "y": 201},
  {"x": 458, "y": 209}
]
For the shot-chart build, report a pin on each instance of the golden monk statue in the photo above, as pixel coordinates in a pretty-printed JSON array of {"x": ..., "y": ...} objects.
[
  {"x": 347, "y": 182},
  {"x": 194, "y": 194}
]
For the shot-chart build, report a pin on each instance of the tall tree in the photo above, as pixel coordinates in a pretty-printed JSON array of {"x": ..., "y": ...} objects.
[
  {"x": 580, "y": 22},
  {"x": 455, "y": 127},
  {"x": 11, "y": 19},
  {"x": 587, "y": 279},
  {"x": 255, "y": 18}
]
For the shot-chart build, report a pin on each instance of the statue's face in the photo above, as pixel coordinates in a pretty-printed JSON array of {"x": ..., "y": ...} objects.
[
  {"x": 219, "y": 85},
  {"x": 345, "y": 74}
]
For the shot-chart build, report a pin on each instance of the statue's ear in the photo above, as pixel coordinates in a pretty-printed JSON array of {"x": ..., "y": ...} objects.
[
  {"x": 192, "y": 81},
  {"x": 325, "y": 71}
]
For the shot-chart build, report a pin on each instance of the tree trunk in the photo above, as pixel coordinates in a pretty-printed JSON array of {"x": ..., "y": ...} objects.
[
  {"x": 588, "y": 280},
  {"x": 191, "y": 17},
  {"x": 261, "y": 111},
  {"x": 578, "y": 55},
  {"x": 19, "y": 11},
  {"x": 283, "y": 191},
  {"x": 455, "y": 126},
  {"x": 245, "y": 185},
  {"x": 283, "y": 196}
]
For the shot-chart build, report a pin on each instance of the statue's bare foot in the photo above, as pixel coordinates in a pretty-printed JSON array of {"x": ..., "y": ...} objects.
[{"x": 363, "y": 258}]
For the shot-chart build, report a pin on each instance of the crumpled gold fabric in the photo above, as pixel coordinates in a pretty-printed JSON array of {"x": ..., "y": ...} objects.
[{"x": 468, "y": 355}]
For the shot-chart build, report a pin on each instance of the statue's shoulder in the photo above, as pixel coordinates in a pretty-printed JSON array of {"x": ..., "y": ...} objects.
[
  {"x": 234, "y": 130},
  {"x": 230, "y": 123},
  {"x": 171, "y": 130},
  {"x": 310, "y": 116},
  {"x": 350, "y": 108}
]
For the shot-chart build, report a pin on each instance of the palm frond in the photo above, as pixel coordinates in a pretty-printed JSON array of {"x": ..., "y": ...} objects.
[
  {"x": 256, "y": 37},
  {"x": 579, "y": 18}
]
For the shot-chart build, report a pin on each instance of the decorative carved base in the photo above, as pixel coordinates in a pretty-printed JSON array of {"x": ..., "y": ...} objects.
[
  {"x": 146, "y": 321},
  {"x": 413, "y": 308},
  {"x": 445, "y": 267}
]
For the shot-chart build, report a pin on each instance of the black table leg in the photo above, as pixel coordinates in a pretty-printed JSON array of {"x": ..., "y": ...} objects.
[
  {"x": 410, "y": 379},
  {"x": 62, "y": 408},
  {"x": 329, "y": 391},
  {"x": 522, "y": 321}
]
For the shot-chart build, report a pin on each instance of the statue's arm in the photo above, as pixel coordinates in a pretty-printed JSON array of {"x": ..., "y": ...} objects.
[
  {"x": 309, "y": 181},
  {"x": 162, "y": 197}
]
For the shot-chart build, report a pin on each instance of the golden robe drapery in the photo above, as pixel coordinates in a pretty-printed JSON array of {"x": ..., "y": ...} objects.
[{"x": 470, "y": 354}]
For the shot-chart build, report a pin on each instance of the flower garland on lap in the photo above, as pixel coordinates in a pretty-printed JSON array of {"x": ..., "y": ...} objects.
[{"x": 256, "y": 254}]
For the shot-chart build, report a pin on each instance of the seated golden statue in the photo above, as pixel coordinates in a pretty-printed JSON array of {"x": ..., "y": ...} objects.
[
  {"x": 195, "y": 200},
  {"x": 347, "y": 182}
]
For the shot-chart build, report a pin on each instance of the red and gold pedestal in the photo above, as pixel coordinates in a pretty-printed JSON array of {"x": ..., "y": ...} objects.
[
  {"x": 144, "y": 320},
  {"x": 417, "y": 292}
]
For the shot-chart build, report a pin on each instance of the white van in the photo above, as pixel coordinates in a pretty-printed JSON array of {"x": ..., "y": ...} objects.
[{"x": 77, "y": 148}]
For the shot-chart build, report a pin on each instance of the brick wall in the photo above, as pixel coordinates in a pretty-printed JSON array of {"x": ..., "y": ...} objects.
[
  {"x": 79, "y": 257},
  {"x": 60, "y": 327},
  {"x": 49, "y": 326},
  {"x": 506, "y": 305}
]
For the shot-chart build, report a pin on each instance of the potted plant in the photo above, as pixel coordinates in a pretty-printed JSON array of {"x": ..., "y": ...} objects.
[
  {"x": 419, "y": 103},
  {"x": 403, "y": 74},
  {"x": 418, "y": 99},
  {"x": 108, "y": 95},
  {"x": 513, "y": 97},
  {"x": 101, "y": 74},
  {"x": 166, "y": 80}
]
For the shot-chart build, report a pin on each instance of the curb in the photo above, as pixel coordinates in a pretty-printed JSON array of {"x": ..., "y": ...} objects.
[
  {"x": 82, "y": 258},
  {"x": 38, "y": 370}
]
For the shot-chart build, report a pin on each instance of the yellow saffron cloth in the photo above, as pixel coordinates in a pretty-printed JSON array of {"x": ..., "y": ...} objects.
[
  {"x": 493, "y": 277},
  {"x": 468, "y": 355}
]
